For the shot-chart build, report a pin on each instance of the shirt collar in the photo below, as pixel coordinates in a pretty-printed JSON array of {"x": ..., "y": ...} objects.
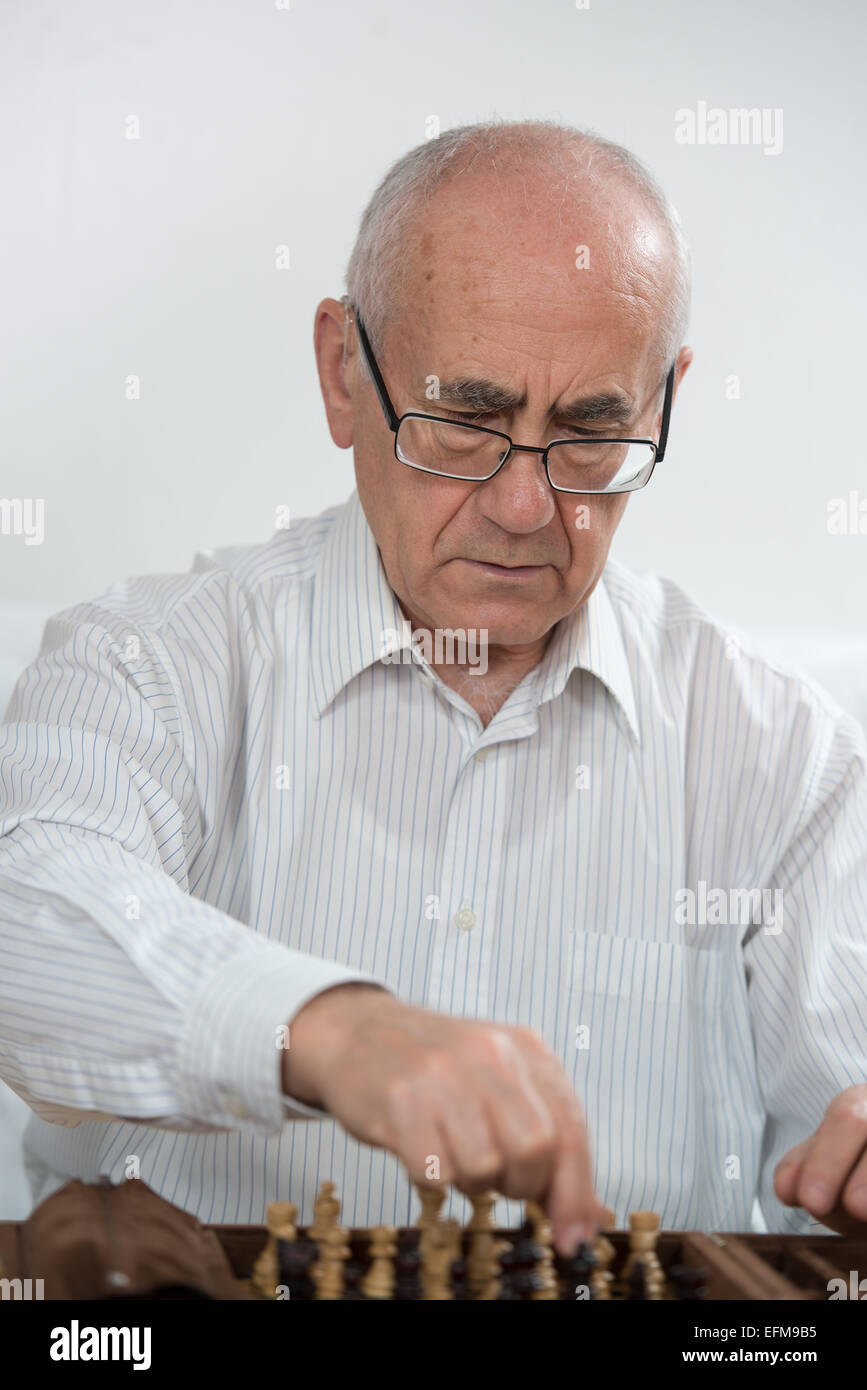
[
  {"x": 354, "y": 608},
  {"x": 590, "y": 640}
]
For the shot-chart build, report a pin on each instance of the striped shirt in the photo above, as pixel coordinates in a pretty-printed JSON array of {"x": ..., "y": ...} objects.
[{"x": 217, "y": 799}]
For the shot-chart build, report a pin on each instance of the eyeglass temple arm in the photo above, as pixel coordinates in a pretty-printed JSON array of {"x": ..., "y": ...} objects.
[
  {"x": 388, "y": 409},
  {"x": 666, "y": 414}
]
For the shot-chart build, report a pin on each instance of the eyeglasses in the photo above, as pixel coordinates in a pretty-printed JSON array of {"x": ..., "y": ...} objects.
[{"x": 472, "y": 453}]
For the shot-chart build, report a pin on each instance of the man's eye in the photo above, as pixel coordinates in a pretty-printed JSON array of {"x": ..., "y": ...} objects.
[
  {"x": 465, "y": 419},
  {"x": 491, "y": 419}
]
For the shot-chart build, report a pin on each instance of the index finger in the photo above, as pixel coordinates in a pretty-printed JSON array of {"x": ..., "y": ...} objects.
[{"x": 571, "y": 1203}]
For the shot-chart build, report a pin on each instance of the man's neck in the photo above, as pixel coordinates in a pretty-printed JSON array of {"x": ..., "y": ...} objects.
[{"x": 486, "y": 685}]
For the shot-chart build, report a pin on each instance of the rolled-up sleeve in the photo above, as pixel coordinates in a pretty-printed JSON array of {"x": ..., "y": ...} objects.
[{"x": 122, "y": 995}]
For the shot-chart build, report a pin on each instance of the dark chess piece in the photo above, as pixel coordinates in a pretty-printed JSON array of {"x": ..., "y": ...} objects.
[
  {"x": 519, "y": 1266},
  {"x": 636, "y": 1285},
  {"x": 353, "y": 1273},
  {"x": 295, "y": 1260},
  {"x": 508, "y": 1293},
  {"x": 577, "y": 1270},
  {"x": 690, "y": 1283},
  {"x": 460, "y": 1284},
  {"x": 407, "y": 1268}
]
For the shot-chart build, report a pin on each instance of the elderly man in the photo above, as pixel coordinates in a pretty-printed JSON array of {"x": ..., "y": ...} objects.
[{"x": 422, "y": 841}]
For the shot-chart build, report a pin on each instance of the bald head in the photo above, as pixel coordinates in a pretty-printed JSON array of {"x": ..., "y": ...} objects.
[{"x": 587, "y": 207}]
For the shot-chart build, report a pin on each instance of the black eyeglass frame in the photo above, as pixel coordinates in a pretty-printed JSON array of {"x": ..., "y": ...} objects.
[{"x": 394, "y": 421}]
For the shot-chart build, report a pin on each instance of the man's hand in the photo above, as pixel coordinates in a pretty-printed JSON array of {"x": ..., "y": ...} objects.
[
  {"x": 827, "y": 1174},
  {"x": 491, "y": 1102}
]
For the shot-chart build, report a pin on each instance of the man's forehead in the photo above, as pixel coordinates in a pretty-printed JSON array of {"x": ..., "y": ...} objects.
[
  {"x": 490, "y": 359},
  {"x": 485, "y": 218},
  {"x": 552, "y": 273},
  {"x": 495, "y": 326}
]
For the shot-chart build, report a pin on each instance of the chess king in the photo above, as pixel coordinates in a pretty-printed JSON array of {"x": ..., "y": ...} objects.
[{"x": 281, "y": 803}]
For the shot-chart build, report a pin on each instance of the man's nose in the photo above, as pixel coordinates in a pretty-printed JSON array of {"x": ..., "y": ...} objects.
[{"x": 519, "y": 497}]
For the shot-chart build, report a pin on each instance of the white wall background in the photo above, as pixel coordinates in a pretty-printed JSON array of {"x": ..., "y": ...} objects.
[{"x": 262, "y": 126}]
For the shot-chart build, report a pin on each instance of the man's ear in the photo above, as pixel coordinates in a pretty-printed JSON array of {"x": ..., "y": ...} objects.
[
  {"x": 331, "y": 328},
  {"x": 684, "y": 357}
]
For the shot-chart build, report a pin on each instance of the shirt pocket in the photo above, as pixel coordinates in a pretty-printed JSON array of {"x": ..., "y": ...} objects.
[{"x": 645, "y": 1016}]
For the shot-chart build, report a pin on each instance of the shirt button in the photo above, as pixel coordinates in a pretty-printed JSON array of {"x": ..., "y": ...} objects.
[
  {"x": 428, "y": 679},
  {"x": 465, "y": 919},
  {"x": 482, "y": 755},
  {"x": 235, "y": 1106}
]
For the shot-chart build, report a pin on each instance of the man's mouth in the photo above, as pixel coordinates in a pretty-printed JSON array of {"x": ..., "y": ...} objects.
[{"x": 507, "y": 571}]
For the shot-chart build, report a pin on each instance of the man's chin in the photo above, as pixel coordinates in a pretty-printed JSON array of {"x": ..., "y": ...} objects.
[{"x": 501, "y": 625}]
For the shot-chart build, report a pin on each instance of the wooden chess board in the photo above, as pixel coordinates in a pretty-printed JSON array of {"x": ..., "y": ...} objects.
[
  {"x": 71, "y": 1240},
  {"x": 690, "y": 1265}
]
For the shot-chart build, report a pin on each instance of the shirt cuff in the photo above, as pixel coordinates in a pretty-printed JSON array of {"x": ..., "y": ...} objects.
[{"x": 230, "y": 1054}]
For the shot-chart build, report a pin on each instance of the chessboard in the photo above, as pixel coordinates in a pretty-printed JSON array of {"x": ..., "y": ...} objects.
[
  {"x": 438, "y": 1260},
  {"x": 104, "y": 1241}
]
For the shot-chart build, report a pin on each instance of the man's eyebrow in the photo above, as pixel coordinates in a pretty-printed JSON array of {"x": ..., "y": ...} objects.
[
  {"x": 477, "y": 394},
  {"x": 613, "y": 406},
  {"x": 487, "y": 396}
]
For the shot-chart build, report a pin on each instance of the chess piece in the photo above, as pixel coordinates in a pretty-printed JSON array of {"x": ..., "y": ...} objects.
[
  {"x": 438, "y": 1250},
  {"x": 520, "y": 1277},
  {"x": 643, "y": 1232},
  {"x": 635, "y": 1283},
  {"x": 280, "y": 1219},
  {"x": 460, "y": 1279},
  {"x": 481, "y": 1264},
  {"x": 457, "y": 1265},
  {"x": 431, "y": 1195},
  {"x": 296, "y": 1260},
  {"x": 326, "y": 1211},
  {"x": 379, "y": 1280},
  {"x": 493, "y": 1276},
  {"x": 506, "y": 1290},
  {"x": 333, "y": 1250},
  {"x": 546, "y": 1271},
  {"x": 264, "y": 1277},
  {"x": 601, "y": 1278},
  {"x": 407, "y": 1266},
  {"x": 577, "y": 1272},
  {"x": 353, "y": 1274}
]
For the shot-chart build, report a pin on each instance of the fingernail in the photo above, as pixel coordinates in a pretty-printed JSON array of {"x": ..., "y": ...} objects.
[{"x": 574, "y": 1236}]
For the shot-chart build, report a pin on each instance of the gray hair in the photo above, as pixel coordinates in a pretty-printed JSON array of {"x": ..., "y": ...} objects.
[{"x": 379, "y": 262}]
